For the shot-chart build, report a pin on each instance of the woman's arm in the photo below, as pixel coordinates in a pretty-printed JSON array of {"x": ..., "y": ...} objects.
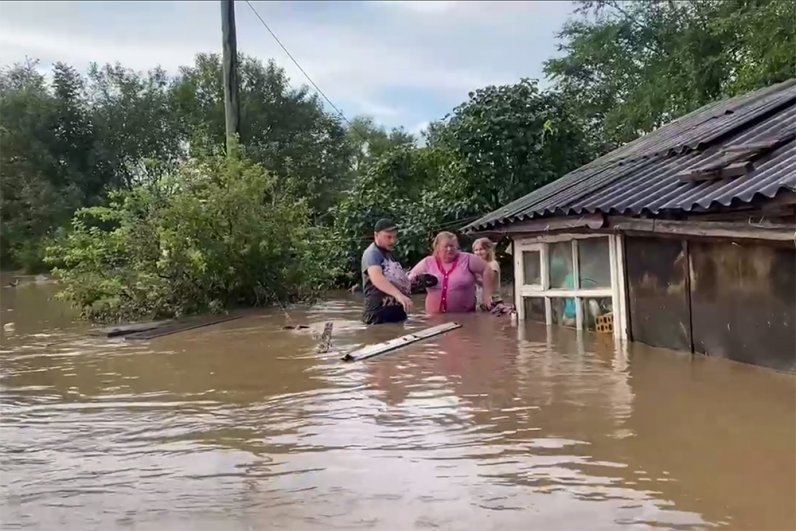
[
  {"x": 494, "y": 266},
  {"x": 420, "y": 269},
  {"x": 480, "y": 267}
]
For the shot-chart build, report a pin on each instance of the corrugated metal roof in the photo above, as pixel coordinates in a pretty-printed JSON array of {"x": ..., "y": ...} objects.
[{"x": 641, "y": 177}]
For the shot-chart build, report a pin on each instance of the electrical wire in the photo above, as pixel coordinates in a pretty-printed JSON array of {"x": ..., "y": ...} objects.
[
  {"x": 446, "y": 225},
  {"x": 295, "y": 62}
]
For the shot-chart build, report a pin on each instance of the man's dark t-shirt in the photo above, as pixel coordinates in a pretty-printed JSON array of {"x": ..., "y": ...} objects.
[{"x": 380, "y": 307}]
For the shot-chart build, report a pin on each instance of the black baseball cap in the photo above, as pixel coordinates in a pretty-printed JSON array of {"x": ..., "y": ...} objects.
[{"x": 385, "y": 224}]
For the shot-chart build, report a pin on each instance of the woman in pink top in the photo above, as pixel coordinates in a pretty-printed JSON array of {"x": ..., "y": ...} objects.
[{"x": 456, "y": 274}]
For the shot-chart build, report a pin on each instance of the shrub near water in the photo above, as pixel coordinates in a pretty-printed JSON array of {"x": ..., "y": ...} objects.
[{"x": 216, "y": 234}]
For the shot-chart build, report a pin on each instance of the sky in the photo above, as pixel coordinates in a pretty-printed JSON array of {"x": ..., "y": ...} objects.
[{"x": 404, "y": 63}]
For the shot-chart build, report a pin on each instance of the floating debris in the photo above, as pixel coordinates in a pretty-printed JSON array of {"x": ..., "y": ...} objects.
[
  {"x": 180, "y": 326},
  {"x": 387, "y": 346},
  {"x": 326, "y": 339}
]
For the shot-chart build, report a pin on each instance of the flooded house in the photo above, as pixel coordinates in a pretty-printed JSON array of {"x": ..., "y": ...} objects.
[{"x": 683, "y": 238}]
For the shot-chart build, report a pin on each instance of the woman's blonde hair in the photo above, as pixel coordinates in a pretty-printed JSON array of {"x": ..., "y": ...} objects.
[
  {"x": 442, "y": 236},
  {"x": 487, "y": 244}
]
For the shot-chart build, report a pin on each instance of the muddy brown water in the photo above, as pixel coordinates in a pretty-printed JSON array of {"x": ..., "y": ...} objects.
[{"x": 244, "y": 426}]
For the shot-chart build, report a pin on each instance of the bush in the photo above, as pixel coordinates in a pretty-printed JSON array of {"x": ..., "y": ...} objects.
[{"x": 216, "y": 234}]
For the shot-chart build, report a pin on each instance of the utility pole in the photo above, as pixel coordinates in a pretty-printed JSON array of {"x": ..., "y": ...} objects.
[{"x": 229, "y": 40}]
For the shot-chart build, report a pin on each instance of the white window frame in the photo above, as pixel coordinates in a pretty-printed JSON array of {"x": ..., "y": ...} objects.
[{"x": 540, "y": 244}]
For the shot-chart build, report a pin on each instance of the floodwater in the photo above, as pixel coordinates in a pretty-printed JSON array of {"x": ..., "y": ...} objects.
[{"x": 243, "y": 425}]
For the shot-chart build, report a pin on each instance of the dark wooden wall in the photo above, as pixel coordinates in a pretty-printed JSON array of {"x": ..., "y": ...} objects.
[
  {"x": 656, "y": 270},
  {"x": 743, "y": 302},
  {"x": 735, "y": 300}
]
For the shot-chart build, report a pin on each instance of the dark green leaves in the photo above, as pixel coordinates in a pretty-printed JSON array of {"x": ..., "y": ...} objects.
[{"x": 630, "y": 67}]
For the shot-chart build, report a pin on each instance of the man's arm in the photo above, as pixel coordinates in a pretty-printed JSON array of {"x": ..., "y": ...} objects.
[{"x": 385, "y": 286}]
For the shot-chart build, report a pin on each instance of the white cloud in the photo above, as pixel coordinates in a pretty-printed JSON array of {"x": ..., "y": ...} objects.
[
  {"x": 421, "y": 6},
  {"x": 402, "y": 62},
  {"x": 377, "y": 110},
  {"x": 420, "y": 128},
  {"x": 80, "y": 50}
]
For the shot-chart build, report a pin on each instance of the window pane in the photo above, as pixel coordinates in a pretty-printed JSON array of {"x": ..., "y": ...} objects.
[
  {"x": 532, "y": 267},
  {"x": 563, "y": 311},
  {"x": 594, "y": 263},
  {"x": 534, "y": 309},
  {"x": 598, "y": 314},
  {"x": 560, "y": 266}
]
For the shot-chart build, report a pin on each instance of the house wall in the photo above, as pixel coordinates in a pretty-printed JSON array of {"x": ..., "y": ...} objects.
[
  {"x": 743, "y": 302},
  {"x": 732, "y": 298},
  {"x": 657, "y": 271},
  {"x": 723, "y": 298}
]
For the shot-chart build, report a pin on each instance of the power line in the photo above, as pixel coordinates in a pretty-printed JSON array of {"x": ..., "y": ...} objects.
[{"x": 295, "y": 62}]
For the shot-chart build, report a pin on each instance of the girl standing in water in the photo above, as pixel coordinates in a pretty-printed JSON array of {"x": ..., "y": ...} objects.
[
  {"x": 484, "y": 249},
  {"x": 456, "y": 274}
]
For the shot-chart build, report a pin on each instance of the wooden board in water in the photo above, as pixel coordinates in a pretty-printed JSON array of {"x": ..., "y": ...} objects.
[
  {"x": 387, "y": 346},
  {"x": 177, "y": 326},
  {"x": 122, "y": 330}
]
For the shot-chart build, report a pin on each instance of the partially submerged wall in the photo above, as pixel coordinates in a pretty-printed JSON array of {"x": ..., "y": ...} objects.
[{"x": 735, "y": 300}]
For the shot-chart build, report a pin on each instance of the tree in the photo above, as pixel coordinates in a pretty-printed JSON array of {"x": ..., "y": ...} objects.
[
  {"x": 138, "y": 133},
  {"x": 369, "y": 142},
  {"x": 45, "y": 160},
  {"x": 511, "y": 139},
  {"x": 64, "y": 145},
  {"x": 630, "y": 67},
  {"x": 286, "y": 129}
]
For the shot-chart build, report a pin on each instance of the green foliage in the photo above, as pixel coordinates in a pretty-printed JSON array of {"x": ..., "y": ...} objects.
[
  {"x": 511, "y": 139},
  {"x": 45, "y": 158},
  {"x": 629, "y": 67},
  {"x": 67, "y": 144},
  {"x": 285, "y": 129},
  {"x": 218, "y": 233},
  {"x": 369, "y": 142},
  {"x": 138, "y": 135}
]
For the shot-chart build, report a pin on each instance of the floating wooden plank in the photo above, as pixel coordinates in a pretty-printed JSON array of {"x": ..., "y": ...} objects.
[
  {"x": 387, "y": 346},
  {"x": 122, "y": 330},
  {"x": 180, "y": 326}
]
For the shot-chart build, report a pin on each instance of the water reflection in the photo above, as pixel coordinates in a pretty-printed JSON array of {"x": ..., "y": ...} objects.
[{"x": 243, "y": 425}]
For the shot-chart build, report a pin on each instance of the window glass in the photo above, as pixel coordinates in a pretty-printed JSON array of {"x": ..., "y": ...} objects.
[
  {"x": 534, "y": 309},
  {"x": 531, "y": 265},
  {"x": 563, "y": 311},
  {"x": 594, "y": 265},
  {"x": 560, "y": 265}
]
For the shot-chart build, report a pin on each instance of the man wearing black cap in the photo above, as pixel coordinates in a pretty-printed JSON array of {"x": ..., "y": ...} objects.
[{"x": 385, "y": 284}]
